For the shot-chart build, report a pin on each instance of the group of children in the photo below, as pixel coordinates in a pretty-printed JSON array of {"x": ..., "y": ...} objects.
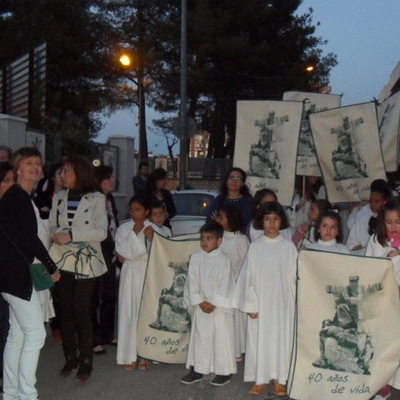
[{"x": 243, "y": 294}]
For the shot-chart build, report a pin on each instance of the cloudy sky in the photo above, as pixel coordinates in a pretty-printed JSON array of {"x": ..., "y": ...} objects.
[{"x": 365, "y": 36}]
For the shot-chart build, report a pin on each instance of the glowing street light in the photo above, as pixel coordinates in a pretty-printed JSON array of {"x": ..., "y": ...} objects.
[{"x": 126, "y": 61}]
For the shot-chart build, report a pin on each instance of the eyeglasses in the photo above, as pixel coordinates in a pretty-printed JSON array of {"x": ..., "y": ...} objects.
[{"x": 236, "y": 178}]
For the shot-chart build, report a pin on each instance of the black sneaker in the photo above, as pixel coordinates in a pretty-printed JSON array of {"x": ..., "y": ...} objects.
[
  {"x": 84, "y": 372},
  {"x": 192, "y": 377},
  {"x": 221, "y": 380}
]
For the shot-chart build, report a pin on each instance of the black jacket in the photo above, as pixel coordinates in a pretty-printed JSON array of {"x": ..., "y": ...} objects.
[{"x": 19, "y": 243}]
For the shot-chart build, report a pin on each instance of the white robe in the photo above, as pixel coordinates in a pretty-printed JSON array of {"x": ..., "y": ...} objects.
[
  {"x": 212, "y": 343},
  {"x": 331, "y": 245},
  {"x": 358, "y": 234},
  {"x": 132, "y": 247},
  {"x": 235, "y": 245},
  {"x": 267, "y": 285}
]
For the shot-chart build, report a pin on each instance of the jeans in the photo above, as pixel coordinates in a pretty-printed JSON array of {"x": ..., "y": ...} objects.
[
  {"x": 21, "y": 354},
  {"x": 4, "y": 325}
]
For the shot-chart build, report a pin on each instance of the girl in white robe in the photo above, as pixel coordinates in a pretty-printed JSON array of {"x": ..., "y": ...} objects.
[
  {"x": 328, "y": 234},
  {"x": 132, "y": 241},
  {"x": 386, "y": 243},
  {"x": 234, "y": 245},
  {"x": 265, "y": 290}
]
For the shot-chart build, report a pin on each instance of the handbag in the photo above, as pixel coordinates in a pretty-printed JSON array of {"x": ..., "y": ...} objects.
[
  {"x": 76, "y": 257},
  {"x": 41, "y": 278}
]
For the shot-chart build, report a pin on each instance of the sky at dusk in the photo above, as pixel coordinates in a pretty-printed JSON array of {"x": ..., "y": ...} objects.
[{"x": 364, "y": 35}]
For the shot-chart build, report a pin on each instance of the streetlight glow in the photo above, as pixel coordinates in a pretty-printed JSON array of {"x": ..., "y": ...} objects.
[
  {"x": 125, "y": 60},
  {"x": 310, "y": 68}
]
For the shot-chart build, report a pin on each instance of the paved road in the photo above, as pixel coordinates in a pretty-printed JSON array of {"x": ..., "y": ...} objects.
[{"x": 110, "y": 382}]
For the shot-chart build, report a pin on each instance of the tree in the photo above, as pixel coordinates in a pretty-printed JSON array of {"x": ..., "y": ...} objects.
[
  {"x": 78, "y": 63},
  {"x": 237, "y": 50}
]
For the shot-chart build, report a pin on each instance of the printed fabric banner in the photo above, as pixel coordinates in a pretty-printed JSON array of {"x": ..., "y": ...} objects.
[
  {"x": 347, "y": 342},
  {"x": 389, "y": 119},
  {"x": 164, "y": 324},
  {"x": 348, "y": 149},
  {"x": 267, "y": 133},
  {"x": 307, "y": 163}
]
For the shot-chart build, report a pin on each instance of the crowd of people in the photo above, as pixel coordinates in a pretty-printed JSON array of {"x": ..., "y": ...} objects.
[{"x": 240, "y": 285}]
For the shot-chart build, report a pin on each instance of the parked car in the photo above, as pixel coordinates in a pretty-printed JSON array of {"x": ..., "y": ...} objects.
[{"x": 191, "y": 210}]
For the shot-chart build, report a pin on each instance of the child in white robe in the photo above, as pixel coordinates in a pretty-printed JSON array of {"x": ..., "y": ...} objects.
[
  {"x": 328, "y": 234},
  {"x": 360, "y": 233},
  {"x": 386, "y": 243},
  {"x": 234, "y": 245},
  {"x": 265, "y": 290},
  {"x": 260, "y": 197},
  {"x": 132, "y": 244},
  {"x": 158, "y": 217},
  {"x": 208, "y": 291}
]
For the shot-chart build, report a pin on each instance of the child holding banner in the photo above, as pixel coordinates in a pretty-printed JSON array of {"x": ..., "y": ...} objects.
[
  {"x": 265, "y": 290},
  {"x": 386, "y": 243},
  {"x": 132, "y": 245},
  {"x": 208, "y": 291},
  {"x": 328, "y": 234},
  {"x": 235, "y": 245}
]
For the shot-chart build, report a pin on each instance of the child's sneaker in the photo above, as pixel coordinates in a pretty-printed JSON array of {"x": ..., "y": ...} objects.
[
  {"x": 221, "y": 380},
  {"x": 279, "y": 390},
  {"x": 192, "y": 377}
]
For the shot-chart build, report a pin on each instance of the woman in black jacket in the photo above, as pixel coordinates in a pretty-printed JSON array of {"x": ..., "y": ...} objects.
[{"x": 19, "y": 245}]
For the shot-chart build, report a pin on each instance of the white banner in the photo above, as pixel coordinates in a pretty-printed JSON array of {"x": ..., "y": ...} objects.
[
  {"x": 389, "y": 118},
  {"x": 348, "y": 327},
  {"x": 348, "y": 150},
  {"x": 164, "y": 324},
  {"x": 307, "y": 163},
  {"x": 266, "y": 145}
]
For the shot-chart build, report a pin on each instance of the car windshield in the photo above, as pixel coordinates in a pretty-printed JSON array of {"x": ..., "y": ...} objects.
[{"x": 192, "y": 203}]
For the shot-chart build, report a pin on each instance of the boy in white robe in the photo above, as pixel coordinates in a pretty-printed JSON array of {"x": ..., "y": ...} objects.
[{"x": 208, "y": 290}]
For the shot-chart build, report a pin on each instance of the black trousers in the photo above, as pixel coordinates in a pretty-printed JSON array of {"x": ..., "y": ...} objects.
[
  {"x": 104, "y": 306},
  {"x": 75, "y": 296}
]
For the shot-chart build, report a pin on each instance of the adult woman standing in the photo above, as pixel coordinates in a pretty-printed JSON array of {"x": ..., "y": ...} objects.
[
  {"x": 78, "y": 218},
  {"x": 157, "y": 190},
  {"x": 234, "y": 192},
  {"x": 19, "y": 244}
]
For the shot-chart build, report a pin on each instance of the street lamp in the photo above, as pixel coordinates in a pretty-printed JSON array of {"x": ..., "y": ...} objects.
[{"x": 126, "y": 61}]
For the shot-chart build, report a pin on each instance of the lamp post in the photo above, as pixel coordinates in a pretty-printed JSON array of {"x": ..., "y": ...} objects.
[{"x": 126, "y": 61}]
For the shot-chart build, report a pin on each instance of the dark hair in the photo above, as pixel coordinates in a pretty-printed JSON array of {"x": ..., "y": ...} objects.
[
  {"x": 5, "y": 168},
  {"x": 381, "y": 230},
  {"x": 234, "y": 217},
  {"x": 103, "y": 172},
  {"x": 260, "y": 194},
  {"x": 25, "y": 152},
  {"x": 156, "y": 175},
  {"x": 143, "y": 164},
  {"x": 86, "y": 181},
  {"x": 322, "y": 205},
  {"x": 381, "y": 186},
  {"x": 155, "y": 203},
  {"x": 332, "y": 215},
  {"x": 244, "y": 190},
  {"x": 213, "y": 227},
  {"x": 270, "y": 207},
  {"x": 142, "y": 200},
  {"x": 8, "y": 150}
]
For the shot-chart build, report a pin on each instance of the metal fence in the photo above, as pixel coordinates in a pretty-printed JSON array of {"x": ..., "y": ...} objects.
[{"x": 197, "y": 168}]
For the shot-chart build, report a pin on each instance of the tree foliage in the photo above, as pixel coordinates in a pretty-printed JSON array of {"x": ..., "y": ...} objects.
[{"x": 237, "y": 50}]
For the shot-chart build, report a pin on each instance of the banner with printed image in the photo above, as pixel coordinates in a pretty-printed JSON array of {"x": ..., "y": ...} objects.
[
  {"x": 347, "y": 342},
  {"x": 307, "y": 162},
  {"x": 348, "y": 149},
  {"x": 164, "y": 323},
  {"x": 389, "y": 130},
  {"x": 267, "y": 134}
]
